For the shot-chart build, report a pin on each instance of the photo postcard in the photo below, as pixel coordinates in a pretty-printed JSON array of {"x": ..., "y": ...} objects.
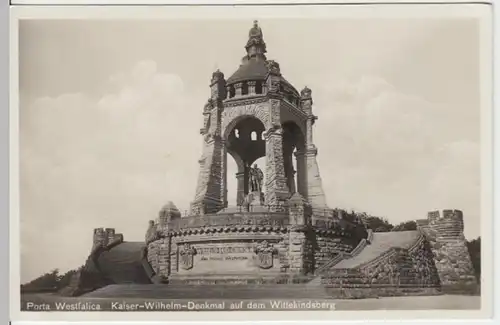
[{"x": 246, "y": 162}]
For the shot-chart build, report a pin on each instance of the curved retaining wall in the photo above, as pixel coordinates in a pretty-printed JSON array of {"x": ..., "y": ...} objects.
[
  {"x": 225, "y": 245},
  {"x": 397, "y": 271}
]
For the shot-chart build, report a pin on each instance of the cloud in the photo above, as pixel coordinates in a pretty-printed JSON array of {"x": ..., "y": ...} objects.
[
  {"x": 394, "y": 154},
  {"x": 110, "y": 161}
]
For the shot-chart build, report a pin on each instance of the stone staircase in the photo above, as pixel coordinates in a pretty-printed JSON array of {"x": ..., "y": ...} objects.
[
  {"x": 381, "y": 243},
  {"x": 384, "y": 268},
  {"x": 162, "y": 291},
  {"x": 341, "y": 256},
  {"x": 375, "y": 248}
]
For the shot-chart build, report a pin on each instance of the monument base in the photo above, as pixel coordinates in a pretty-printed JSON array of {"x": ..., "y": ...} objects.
[{"x": 253, "y": 200}]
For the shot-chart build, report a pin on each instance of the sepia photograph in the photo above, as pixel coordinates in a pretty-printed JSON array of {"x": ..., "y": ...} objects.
[{"x": 253, "y": 163}]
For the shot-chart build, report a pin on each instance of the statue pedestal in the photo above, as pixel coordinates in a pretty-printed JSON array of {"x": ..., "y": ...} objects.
[{"x": 254, "y": 199}]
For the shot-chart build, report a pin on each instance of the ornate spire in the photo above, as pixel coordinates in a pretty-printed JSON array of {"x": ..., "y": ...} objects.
[
  {"x": 255, "y": 45},
  {"x": 305, "y": 93}
]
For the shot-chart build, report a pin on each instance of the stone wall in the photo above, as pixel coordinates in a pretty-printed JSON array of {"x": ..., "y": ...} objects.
[
  {"x": 444, "y": 232},
  {"x": 228, "y": 252},
  {"x": 299, "y": 248},
  {"x": 423, "y": 263},
  {"x": 158, "y": 256},
  {"x": 328, "y": 246}
]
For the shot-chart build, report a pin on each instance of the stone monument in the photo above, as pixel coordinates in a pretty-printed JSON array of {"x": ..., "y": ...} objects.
[
  {"x": 280, "y": 230},
  {"x": 254, "y": 113}
]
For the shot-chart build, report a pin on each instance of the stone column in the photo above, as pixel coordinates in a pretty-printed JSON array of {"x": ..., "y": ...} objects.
[
  {"x": 277, "y": 191},
  {"x": 208, "y": 198},
  {"x": 315, "y": 193},
  {"x": 309, "y": 138},
  {"x": 290, "y": 172},
  {"x": 240, "y": 195},
  {"x": 301, "y": 173},
  {"x": 224, "y": 173},
  {"x": 237, "y": 89},
  {"x": 251, "y": 87},
  {"x": 299, "y": 254}
]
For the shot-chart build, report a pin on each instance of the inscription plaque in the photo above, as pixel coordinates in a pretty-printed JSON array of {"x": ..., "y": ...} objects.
[{"x": 225, "y": 258}]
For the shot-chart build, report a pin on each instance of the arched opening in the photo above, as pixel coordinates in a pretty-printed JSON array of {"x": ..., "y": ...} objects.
[
  {"x": 232, "y": 91},
  {"x": 247, "y": 149}
]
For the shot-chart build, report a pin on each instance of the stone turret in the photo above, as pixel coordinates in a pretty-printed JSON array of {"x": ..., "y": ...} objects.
[
  {"x": 104, "y": 237},
  {"x": 444, "y": 231},
  {"x": 449, "y": 225},
  {"x": 110, "y": 234},
  {"x": 100, "y": 239},
  {"x": 218, "y": 86}
]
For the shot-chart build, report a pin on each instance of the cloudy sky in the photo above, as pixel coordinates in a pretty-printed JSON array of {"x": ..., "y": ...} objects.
[{"x": 110, "y": 113}]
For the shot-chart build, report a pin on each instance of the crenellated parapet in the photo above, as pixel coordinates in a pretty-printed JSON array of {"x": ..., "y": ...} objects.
[
  {"x": 446, "y": 223},
  {"x": 105, "y": 237}
]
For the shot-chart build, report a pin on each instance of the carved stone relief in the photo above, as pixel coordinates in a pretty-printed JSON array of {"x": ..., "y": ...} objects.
[{"x": 230, "y": 117}]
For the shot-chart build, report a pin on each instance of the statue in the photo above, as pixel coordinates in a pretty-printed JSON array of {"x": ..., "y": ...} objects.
[
  {"x": 256, "y": 177},
  {"x": 255, "y": 31}
]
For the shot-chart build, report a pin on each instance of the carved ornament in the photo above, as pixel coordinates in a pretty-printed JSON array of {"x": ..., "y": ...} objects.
[
  {"x": 230, "y": 116},
  {"x": 265, "y": 253},
  {"x": 186, "y": 256},
  {"x": 238, "y": 102},
  {"x": 273, "y": 67}
]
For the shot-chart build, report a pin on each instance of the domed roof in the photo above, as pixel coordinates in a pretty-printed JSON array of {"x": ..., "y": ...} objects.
[
  {"x": 169, "y": 206},
  {"x": 253, "y": 69}
]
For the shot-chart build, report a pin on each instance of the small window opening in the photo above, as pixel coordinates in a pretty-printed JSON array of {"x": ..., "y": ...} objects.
[
  {"x": 237, "y": 133},
  {"x": 253, "y": 136},
  {"x": 258, "y": 87},
  {"x": 244, "y": 89},
  {"x": 231, "y": 92}
]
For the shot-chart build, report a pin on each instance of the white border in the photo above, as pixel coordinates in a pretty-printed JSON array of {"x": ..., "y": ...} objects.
[
  {"x": 481, "y": 12},
  {"x": 231, "y": 2}
]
